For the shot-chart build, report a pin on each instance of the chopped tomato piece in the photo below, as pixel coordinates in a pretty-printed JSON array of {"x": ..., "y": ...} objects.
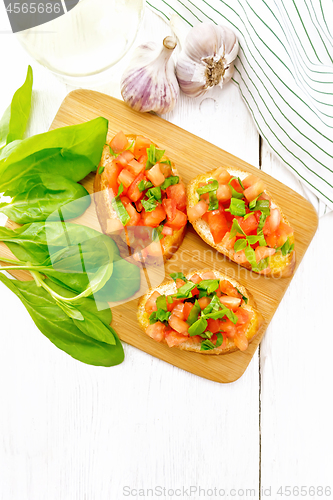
[
  {"x": 167, "y": 231},
  {"x": 227, "y": 242},
  {"x": 178, "y": 193},
  {"x": 135, "y": 167},
  {"x": 133, "y": 191},
  {"x": 197, "y": 211},
  {"x": 263, "y": 252},
  {"x": 124, "y": 158},
  {"x": 141, "y": 145},
  {"x": 209, "y": 275},
  {"x": 179, "y": 283},
  {"x": 155, "y": 175},
  {"x": 156, "y": 331},
  {"x": 253, "y": 191},
  {"x": 227, "y": 288},
  {"x": 203, "y": 302},
  {"x": 213, "y": 325},
  {"x": 143, "y": 159},
  {"x": 241, "y": 341},
  {"x": 229, "y": 328},
  {"x": 170, "y": 207},
  {"x": 196, "y": 278},
  {"x": 173, "y": 304},
  {"x": 154, "y": 218},
  {"x": 222, "y": 175},
  {"x": 134, "y": 216},
  {"x": 150, "y": 305},
  {"x": 119, "y": 142},
  {"x": 250, "y": 180},
  {"x": 165, "y": 169},
  {"x": 240, "y": 257},
  {"x": 179, "y": 221},
  {"x": 218, "y": 225},
  {"x": 154, "y": 249},
  {"x": 235, "y": 184},
  {"x": 224, "y": 192},
  {"x": 174, "y": 338},
  {"x": 243, "y": 316},
  {"x": 287, "y": 229},
  {"x": 125, "y": 177},
  {"x": 112, "y": 172},
  {"x": 179, "y": 311},
  {"x": 178, "y": 324},
  {"x": 188, "y": 306},
  {"x": 231, "y": 302},
  {"x": 274, "y": 219},
  {"x": 248, "y": 225}
]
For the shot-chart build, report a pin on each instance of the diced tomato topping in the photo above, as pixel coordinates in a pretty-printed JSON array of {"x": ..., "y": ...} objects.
[
  {"x": 154, "y": 249},
  {"x": 154, "y": 218},
  {"x": 133, "y": 191},
  {"x": 197, "y": 211},
  {"x": 263, "y": 252},
  {"x": 241, "y": 341},
  {"x": 179, "y": 311},
  {"x": 156, "y": 331},
  {"x": 139, "y": 206},
  {"x": 222, "y": 175},
  {"x": 124, "y": 157},
  {"x": 218, "y": 226},
  {"x": 150, "y": 305},
  {"x": 165, "y": 169},
  {"x": 203, "y": 302},
  {"x": 274, "y": 219},
  {"x": 143, "y": 159},
  {"x": 119, "y": 142},
  {"x": 231, "y": 302},
  {"x": 125, "y": 177},
  {"x": 167, "y": 231},
  {"x": 141, "y": 145},
  {"x": 188, "y": 306},
  {"x": 179, "y": 283},
  {"x": 173, "y": 304},
  {"x": 227, "y": 288},
  {"x": 112, "y": 172},
  {"x": 135, "y": 167},
  {"x": 235, "y": 184},
  {"x": 209, "y": 275},
  {"x": 213, "y": 325},
  {"x": 243, "y": 316},
  {"x": 240, "y": 257},
  {"x": 174, "y": 338},
  {"x": 179, "y": 221},
  {"x": 253, "y": 191},
  {"x": 223, "y": 192},
  {"x": 196, "y": 278},
  {"x": 178, "y": 193},
  {"x": 170, "y": 207},
  {"x": 250, "y": 180},
  {"x": 155, "y": 175},
  {"x": 134, "y": 216},
  {"x": 227, "y": 242},
  {"x": 178, "y": 324},
  {"x": 229, "y": 328},
  {"x": 248, "y": 225},
  {"x": 287, "y": 229}
]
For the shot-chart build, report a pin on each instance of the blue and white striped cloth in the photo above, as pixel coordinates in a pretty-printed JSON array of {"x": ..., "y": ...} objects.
[{"x": 284, "y": 71}]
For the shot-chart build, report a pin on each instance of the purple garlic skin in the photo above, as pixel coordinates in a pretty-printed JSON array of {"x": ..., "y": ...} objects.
[
  {"x": 150, "y": 83},
  {"x": 207, "y": 58}
]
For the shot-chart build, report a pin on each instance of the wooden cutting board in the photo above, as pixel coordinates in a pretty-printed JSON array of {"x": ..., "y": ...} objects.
[{"x": 192, "y": 156}]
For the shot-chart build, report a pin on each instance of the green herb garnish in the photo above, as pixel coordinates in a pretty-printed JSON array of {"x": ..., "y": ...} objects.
[
  {"x": 287, "y": 248},
  {"x": 207, "y": 345},
  {"x": 235, "y": 194},
  {"x": 184, "y": 292},
  {"x": 209, "y": 286},
  {"x": 143, "y": 185},
  {"x": 119, "y": 207},
  {"x": 101, "y": 169},
  {"x": 211, "y": 186},
  {"x": 195, "y": 311},
  {"x": 154, "y": 156},
  {"x": 198, "y": 327},
  {"x": 149, "y": 205},
  {"x": 178, "y": 276},
  {"x": 169, "y": 181}
]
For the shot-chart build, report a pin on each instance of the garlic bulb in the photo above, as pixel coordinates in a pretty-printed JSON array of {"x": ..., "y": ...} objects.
[
  {"x": 150, "y": 83},
  {"x": 206, "y": 59}
]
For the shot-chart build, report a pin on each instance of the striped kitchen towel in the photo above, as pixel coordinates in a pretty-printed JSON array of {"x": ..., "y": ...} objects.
[{"x": 284, "y": 71}]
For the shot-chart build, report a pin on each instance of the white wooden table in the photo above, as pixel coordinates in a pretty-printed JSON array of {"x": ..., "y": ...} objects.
[{"x": 69, "y": 431}]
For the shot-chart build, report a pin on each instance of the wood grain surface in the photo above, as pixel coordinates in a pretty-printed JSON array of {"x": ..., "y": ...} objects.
[{"x": 192, "y": 156}]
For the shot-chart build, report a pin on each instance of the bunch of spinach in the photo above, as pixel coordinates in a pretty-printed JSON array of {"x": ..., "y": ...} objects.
[{"x": 76, "y": 270}]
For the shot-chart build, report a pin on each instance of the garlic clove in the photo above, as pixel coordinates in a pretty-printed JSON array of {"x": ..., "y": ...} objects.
[
  {"x": 150, "y": 83},
  {"x": 206, "y": 58}
]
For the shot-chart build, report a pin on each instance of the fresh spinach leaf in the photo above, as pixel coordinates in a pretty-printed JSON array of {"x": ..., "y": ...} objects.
[
  {"x": 63, "y": 331},
  {"x": 15, "y": 119}
]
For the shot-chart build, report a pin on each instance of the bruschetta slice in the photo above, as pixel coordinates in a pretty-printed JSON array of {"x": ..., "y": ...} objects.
[
  {"x": 205, "y": 312},
  {"x": 232, "y": 212},
  {"x": 138, "y": 188}
]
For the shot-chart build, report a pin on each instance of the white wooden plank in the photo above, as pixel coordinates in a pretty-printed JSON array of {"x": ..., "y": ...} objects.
[
  {"x": 72, "y": 431},
  {"x": 296, "y": 412}
]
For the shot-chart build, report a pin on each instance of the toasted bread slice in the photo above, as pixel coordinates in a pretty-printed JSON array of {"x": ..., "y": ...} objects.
[
  {"x": 108, "y": 218},
  {"x": 280, "y": 265},
  {"x": 169, "y": 288}
]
